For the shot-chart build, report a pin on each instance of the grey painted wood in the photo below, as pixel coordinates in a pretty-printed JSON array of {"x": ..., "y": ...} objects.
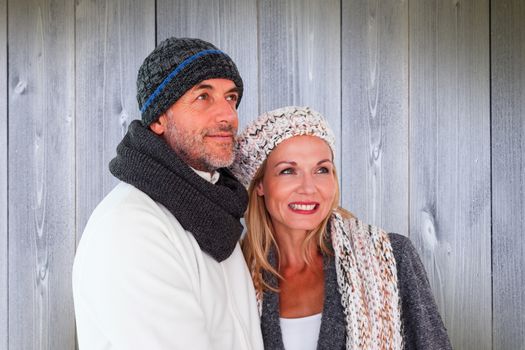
[
  {"x": 41, "y": 174},
  {"x": 3, "y": 177},
  {"x": 375, "y": 112},
  {"x": 231, "y": 25},
  {"x": 112, "y": 39},
  {"x": 299, "y": 57},
  {"x": 508, "y": 172},
  {"x": 405, "y": 85},
  {"x": 450, "y": 161}
]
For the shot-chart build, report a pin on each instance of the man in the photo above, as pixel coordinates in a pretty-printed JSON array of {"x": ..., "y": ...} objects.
[{"x": 159, "y": 264}]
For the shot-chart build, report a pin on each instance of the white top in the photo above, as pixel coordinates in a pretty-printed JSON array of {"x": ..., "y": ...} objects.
[
  {"x": 213, "y": 178},
  {"x": 140, "y": 281},
  {"x": 301, "y": 333}
]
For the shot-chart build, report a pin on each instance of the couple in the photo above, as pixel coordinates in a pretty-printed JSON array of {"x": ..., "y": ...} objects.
[{"x": 159, "y": 265}]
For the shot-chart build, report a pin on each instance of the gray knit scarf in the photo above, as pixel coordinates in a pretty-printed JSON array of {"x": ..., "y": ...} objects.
[{"x": 211, "y": 212}]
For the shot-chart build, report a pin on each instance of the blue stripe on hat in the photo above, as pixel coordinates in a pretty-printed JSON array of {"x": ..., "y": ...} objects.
[{"x": 176, "y": 71}]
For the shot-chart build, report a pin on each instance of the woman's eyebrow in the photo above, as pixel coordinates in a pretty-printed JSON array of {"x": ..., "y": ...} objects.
[
  {"x": 324, "y": 160},
  {"x": 290, "y": 162}
]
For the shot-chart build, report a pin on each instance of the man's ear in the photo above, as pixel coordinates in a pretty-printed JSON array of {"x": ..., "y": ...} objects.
[
  {"x": 159, "y": 125},
  {"x": 260, "y": 189}
]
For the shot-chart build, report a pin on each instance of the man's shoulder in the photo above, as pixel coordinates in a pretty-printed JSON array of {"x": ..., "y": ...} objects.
[
  {"x": 127, "y": 211},
  {"x": 123, "y": 195},
  {"x": 124, "y": 202},
  {"x": 129, "y": 225}
]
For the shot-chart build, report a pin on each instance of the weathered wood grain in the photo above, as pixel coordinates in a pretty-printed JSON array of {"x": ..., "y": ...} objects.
[
  {"x": 299, "y": 58},
  {"x": 112, "y": 40},
  {"x": 375, "y": 112},
  {"x": 404, "y": 84},
  {"x": 3, "y": 178},
  {"x": 508, "y": 172},
  {"x": 450, "y": 161},
  {"x": 231, "y": 25},
  {"x": 41, "y": 174}
]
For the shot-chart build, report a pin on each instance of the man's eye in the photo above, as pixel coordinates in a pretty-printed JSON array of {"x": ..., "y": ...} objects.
[
  {"x": 286, "y": 171},
  {"x": 233, "y": 97},
  {"x": 202, "y": 97}
]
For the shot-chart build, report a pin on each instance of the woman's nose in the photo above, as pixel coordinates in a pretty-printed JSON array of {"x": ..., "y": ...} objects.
[{"x": 307, "y": 184}]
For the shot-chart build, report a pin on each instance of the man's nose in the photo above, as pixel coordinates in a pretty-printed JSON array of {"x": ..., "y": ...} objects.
[{"x": 226, "y": 111}]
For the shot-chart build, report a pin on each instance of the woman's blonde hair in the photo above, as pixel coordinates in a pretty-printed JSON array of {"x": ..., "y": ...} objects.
[{"x": 260, "y": 237}]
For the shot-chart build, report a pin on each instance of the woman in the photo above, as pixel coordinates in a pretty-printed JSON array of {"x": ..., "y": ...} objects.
[{"x": 325, "y": 280}]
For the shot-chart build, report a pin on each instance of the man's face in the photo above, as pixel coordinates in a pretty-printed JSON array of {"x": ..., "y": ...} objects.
[{"x": 201, "y": 126}]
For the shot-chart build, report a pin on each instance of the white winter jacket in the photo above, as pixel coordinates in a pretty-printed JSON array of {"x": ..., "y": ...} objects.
[{"x": 140, "y": 281}]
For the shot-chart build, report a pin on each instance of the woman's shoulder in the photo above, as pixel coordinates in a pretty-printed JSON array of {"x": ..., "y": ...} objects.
[
  {"x": 402, "y": 247},
  {"x": 404, "y": 251},
  {"x": 423, "y": 327},
  {"x": 401, "y": 243},
  {"x": 354, "y": 224},
  {"x": 410, "y": 269}
]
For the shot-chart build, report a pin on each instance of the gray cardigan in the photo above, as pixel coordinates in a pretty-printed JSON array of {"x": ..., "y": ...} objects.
[{"x": 423, "y": 328}]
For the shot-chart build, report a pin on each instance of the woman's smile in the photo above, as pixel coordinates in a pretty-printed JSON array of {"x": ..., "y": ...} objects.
[{"x": 304, "y": 207}]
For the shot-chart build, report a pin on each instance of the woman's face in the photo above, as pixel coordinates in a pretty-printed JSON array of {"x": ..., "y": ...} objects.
[{"x": 298, "y": 184}]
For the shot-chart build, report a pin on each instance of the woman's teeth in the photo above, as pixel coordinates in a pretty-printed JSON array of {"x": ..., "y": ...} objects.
[{"x": 302, "y": 206}]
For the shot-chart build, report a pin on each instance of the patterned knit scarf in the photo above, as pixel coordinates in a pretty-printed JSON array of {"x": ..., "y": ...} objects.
[
  {"x": 210, "y": 212},
  {"x": 367, "y": 279}
]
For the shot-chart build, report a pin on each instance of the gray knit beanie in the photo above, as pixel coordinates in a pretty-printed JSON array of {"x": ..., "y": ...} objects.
[
  {"x": 174, "y": 67},
  {"x": 268, "y": 130}
]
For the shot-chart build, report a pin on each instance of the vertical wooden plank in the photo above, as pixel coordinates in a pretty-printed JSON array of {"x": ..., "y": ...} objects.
[
  {"x": 300, "y": 57},
  {"x": 41, "y": 174},
  {"x": 231, "y": 25},
  {"x": 375, "y": 111},
  {"x": 508, "y": 172},
  {"x": 112, "y": 39},
  {"x": 4, "y": 311},
  {"x": 450, "y": 161}
]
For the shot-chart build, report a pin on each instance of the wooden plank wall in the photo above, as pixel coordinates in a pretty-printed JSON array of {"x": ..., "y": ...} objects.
[
  {"x": 299, "y": 59},
  {"x": 41, "y": 174},
  {"x": 3, "y": 179},
  {"x": 229, "y": 25},
  {"x": 450, "y": 161},
  {"x": 406, "y": 86},
  {"x": 508, "y": 172},
  {"x": 112, "y": 39},
  {"x": 375, "y": 112}
]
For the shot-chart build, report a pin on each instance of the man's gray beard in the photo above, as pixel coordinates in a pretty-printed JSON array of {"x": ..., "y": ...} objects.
[{"x": 191, "y": 149}]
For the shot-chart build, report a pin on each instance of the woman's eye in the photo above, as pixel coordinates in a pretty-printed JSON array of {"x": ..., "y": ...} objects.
[
  {"x": 286, "y": 171},
  {"x": 323, "y": 170}
]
